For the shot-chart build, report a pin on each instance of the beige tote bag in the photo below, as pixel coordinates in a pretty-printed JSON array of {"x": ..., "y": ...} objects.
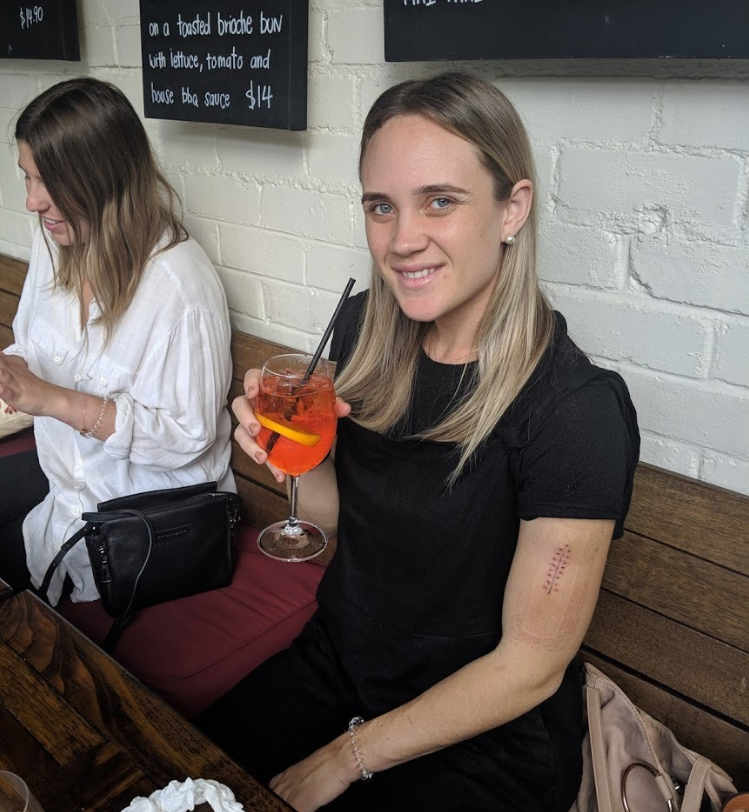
[{"x": 632, "y": 763}]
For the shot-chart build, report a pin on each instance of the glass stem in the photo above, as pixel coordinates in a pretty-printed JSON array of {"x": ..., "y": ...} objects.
[{"x": 292, "y": 525}]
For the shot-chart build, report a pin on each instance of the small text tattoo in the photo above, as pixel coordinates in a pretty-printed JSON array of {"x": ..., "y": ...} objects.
[{"x": 557, "y": 566}]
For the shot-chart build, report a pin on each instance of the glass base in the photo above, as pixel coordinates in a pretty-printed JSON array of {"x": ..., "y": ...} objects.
[{"x": 286, "y": 542}]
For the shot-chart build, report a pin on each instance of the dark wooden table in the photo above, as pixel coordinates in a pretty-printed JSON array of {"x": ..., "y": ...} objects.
[{"x": 84, "y": 733}]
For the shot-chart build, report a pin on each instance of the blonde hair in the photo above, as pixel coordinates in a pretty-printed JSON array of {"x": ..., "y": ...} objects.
[
  {"x": 95, "y": 160},
  {"x": 518, "y": 324}
]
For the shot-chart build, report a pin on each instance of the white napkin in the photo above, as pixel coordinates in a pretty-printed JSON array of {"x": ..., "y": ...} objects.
[
  {"x": 185, "y": 796},
  {"x": 12, "y": 421}
]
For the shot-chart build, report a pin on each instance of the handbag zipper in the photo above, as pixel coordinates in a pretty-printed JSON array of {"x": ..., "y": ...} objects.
[
  {"x": 234, "y": 513},
  {"x": 106, "y": 575}
]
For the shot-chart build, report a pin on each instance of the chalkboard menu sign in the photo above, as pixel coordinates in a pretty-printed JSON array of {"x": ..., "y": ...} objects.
[
  {"x": 226, "y": 61},
  {"x": 39, "y": 29},
  {"x": 425, "y": 30}
]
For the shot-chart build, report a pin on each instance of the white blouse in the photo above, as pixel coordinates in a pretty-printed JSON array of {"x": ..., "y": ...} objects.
[{"x": 168, "y": 364}]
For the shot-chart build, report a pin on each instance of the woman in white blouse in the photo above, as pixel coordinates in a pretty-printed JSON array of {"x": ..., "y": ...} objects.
[{"x": 122, "y": 335}]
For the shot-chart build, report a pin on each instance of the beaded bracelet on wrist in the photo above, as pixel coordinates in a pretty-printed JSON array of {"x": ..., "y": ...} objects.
[
  {"x": 353, "y": 731},
  {"x": 92, "y": 431}
]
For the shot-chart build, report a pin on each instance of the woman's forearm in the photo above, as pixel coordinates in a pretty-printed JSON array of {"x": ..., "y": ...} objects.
[
  {"x": 484, "y": 694},
  {"x": 88, "y": 414},
  {"x": 318, "y": 497}
]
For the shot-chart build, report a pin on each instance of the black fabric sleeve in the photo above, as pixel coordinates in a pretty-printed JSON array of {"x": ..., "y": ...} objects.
[{"x": 579, "y": 463}]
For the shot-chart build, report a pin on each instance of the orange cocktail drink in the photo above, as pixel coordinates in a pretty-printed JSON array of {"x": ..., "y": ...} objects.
[
  {"x": 298, "y": 421},
  {"x": 296, "y": 411}
]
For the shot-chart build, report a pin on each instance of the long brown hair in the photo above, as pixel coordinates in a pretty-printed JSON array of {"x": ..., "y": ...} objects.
[
  {"x": 518, "y": 324},
  {"x": 95, "y": 160}
]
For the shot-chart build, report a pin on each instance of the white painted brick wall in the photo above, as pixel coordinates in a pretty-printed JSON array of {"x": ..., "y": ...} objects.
[
  {"x": 329, "y": 267},
  {"x": 671, "y": 454},
  {"x": 98, "y": 43},
  {"x": 291, "y": 305},
  {"x": 127, "y": 42},
  {"x": 355, "y": 36},
  {"x": 330, "y": 108},
  {"x": 705, "y": 413},
  {"x": 245, "y": 294},
  {"x": 18, "y": 87},
  {"x": 595, "y": 110},
  {"x": 579, "y": 255},
  {"x": 624, "y": 181},
  {"x": 698, "y": 273},
  {"x": 7, "y": 120},
  {"x": 262, "y": 252},
  {"x": 296, "y": 211},
  {"x": 223, "y": 198},
  {"x": 122, "y": 12},
  {"x": 623, "y": 328},
  {"x": 643, "y": 193},
  {"x": 12, "y": 192},
  {"x": 728, "y": 472},
  {"x": 732, "y": 353},
  {"x": 260, "y": 154},
  {"x": 333, "y": 158},
  {"x": 16, "y": 228},
  {"x": 714, "y": 115}
]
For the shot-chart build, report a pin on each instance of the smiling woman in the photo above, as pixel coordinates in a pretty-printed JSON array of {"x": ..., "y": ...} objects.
[
  {"x": 448, "y": 195},
  {"x": 438, "y": 246},
  {"x": 116, "y": 297},
  {"x": 482, "y": 467},
  {"x": 38, "y": 200}
]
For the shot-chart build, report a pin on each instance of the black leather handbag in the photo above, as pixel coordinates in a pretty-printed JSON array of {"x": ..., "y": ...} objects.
[{"x": 156, "y": 546}]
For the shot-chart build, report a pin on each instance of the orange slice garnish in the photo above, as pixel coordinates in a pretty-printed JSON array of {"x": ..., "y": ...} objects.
[{"x": 300, "y": 436}]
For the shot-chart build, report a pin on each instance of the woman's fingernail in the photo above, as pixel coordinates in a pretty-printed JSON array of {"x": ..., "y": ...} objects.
[{"x": 260, "y": 456}]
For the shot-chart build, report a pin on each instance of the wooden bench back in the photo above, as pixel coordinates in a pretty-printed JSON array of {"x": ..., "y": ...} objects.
[{"x": 672, "y": 622}]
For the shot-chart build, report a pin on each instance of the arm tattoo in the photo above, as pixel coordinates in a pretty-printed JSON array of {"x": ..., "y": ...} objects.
[{"x": 557, "y": 566}]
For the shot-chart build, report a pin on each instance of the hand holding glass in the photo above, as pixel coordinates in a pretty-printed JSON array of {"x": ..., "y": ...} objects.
[{"x": 297, "y": 416}]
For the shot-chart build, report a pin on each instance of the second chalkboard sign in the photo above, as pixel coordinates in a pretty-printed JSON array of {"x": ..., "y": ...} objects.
[
  {"x": 226, "y": 61},
  {"x": 426, "y": 30},
  {"x": 39, "y": 29}
]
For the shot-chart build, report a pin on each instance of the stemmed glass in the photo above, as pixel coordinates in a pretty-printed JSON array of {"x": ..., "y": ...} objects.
[
  {"x": 15, "y": 796},
  {"x": 296, "y": 411}
]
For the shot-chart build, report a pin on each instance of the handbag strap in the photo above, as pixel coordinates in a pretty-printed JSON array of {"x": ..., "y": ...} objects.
[
  {"x": 696, "y": 785},
  {"x": 125, "y": 617},
  {"x": 61, "y": 553},
  {"x": 113, "y": 635},
  {"x": 597, "y": 750},
  {"x": 601, "y": 777}
]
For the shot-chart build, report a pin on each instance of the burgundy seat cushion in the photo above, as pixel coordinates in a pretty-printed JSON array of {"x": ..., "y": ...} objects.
[
  {"x": 191, "y": 651},
  {"x": 16, "y": 443}
]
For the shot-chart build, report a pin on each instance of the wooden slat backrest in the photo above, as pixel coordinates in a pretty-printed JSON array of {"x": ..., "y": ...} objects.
[
  {"x": 672, "y": 622},
  {"x": 683, "y": 587},
  {"x": 708, "y": 522},
  {"x": 12, "y": 274}
]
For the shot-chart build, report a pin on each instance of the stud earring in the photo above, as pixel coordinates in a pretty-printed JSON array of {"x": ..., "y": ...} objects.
[{"x": 510, "y": 239}]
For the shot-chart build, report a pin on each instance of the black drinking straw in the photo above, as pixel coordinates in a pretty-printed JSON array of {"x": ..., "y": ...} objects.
[
  {"x": 273, "y": 439},
  {"x": 328, "y": 331}
]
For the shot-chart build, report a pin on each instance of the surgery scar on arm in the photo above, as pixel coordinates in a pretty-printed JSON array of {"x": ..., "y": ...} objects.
[{"x": 557, "y": 566}]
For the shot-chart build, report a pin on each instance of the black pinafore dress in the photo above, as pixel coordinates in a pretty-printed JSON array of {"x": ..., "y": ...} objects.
[{"x": 415, "y": 592}]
